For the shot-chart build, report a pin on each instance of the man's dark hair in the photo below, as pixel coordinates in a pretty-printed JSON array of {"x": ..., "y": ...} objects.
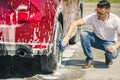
[{"x": 103, "y": 4}]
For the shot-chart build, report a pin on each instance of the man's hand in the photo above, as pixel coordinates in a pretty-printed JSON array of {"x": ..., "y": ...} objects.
[
  {"x": 61, "y": 46},
  {"x": 65, "y": 41},
  {"x": 111, "y": 48}
]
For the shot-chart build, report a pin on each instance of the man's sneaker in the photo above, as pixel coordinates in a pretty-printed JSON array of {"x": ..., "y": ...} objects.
[
  {"x": 108, "y": 62},
  {"x": 88, "y": 64}
]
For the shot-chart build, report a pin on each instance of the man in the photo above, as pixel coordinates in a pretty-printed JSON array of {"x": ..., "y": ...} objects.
[{"x": 106, "y": 25}]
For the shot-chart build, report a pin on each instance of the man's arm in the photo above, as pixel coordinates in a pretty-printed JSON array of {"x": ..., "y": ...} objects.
[{"x": 71, "y": 29}]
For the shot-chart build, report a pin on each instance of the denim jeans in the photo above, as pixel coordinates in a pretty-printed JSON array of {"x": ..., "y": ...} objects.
[{"x": 89, "y": 39}]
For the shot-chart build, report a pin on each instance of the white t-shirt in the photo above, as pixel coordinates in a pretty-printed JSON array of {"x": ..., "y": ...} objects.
[{"x": 105, "y": 30}]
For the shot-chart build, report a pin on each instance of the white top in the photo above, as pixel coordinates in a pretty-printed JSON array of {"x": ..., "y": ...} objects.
[{"x": 105, "y": 30}]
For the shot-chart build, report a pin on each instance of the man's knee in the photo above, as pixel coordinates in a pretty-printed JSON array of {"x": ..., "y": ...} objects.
[
  {"x": 83, "y": 35},
  {"x": 113, "y": 55}
]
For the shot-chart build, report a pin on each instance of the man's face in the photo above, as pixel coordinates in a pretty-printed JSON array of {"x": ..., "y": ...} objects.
[{"x": 102, "y": 13}]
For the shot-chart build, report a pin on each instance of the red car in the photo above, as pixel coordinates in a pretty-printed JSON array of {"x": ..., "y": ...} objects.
[{"x": 30, "y": 28}]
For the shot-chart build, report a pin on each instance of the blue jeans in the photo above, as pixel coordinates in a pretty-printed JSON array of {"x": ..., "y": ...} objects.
[{"x": 89, "y": 39}]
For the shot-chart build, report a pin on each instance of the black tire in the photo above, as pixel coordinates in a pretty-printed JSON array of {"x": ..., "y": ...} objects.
[
  {"x": 57, "y": 53},
  {"x": 52, "y": 62}
]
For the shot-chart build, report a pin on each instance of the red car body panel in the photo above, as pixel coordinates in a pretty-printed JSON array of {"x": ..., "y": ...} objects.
[
  {"x": 32, "y": 22},
  {"x": 32, "y": 25}
]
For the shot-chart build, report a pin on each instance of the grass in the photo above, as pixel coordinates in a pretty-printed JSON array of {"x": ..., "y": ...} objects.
[{"x": 112, "y": 1}]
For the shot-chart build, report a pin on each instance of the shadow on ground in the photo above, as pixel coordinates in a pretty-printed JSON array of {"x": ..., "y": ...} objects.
[
  {"x": 97, "y": 64},
  {"x": 18, "y": 67},
  {"x": 31, "y": 67}
]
